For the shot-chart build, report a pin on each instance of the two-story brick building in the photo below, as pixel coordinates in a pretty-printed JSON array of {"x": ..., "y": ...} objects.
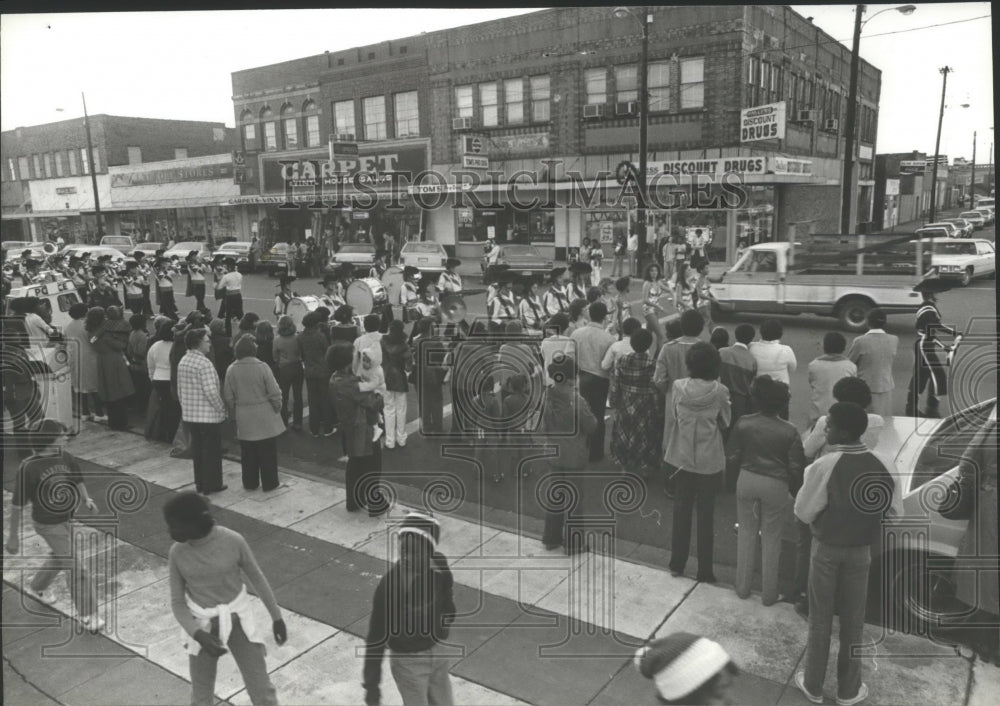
[
  {"x": 47, "y": 187},
  {"x": 549, "y": 100}
]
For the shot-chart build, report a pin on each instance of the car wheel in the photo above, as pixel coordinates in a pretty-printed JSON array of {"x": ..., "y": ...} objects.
[
  {"x": 967, "y": 276},
  {"x": 920, "y": 597},
  {"x": 853, "y": 313}
]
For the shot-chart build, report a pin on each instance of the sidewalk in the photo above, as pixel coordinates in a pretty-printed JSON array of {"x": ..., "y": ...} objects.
[{"x": 535, "y": 626}]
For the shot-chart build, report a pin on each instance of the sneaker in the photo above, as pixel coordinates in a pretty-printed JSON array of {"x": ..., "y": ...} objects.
[
  {"x": 800, "y": 682},
  {"x": 93, "y": 623},
  {"x": 101, "y": 419},
  {"x": 40, "y": 596},
  {"x": 332, "y": 432},
  {"x": 861, "y": 696},
  {"x": 401, "y": 444},
  {"x": 377, "y": 434}
]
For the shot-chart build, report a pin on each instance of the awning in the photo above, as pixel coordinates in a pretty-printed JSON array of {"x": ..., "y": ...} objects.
[
  {"x": 182, "y": 194},
  {"x": 66, "y": 213}
]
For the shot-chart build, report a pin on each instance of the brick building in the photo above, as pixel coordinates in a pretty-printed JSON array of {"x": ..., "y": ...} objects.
[
  {"x": 554, "y": 94},
  {"x": 47, "y": 188},
  {"x": 903, "y": 188}
]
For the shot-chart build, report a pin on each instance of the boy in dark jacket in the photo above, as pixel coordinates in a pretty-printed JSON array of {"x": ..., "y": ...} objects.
[
  {"x": 412, "y": 612},
  {"x": 313, "y": 343}
]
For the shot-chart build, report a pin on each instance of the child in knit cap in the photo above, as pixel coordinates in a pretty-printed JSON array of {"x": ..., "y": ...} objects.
[
  {"x": 688, "y": 669},
  {"x": 373, "y": 380}
]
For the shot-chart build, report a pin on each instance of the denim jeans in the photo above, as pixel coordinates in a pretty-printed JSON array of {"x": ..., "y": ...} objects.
[
  {"x": 422, "y": 677},
  {"x": 694, "y": 491},
  {"x": 249, "y": 658},
  {"x": 838, "y": 581}
]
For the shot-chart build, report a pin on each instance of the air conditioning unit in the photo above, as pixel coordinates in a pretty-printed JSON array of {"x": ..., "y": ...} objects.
[
  {"x": 805, "y": 116},
  {"x": 593, "y": 110},
  {"x": 461, "y": 124},
  {"x": 831, "y": 125},
  {"x": 627, "y": 108},
  {"x": 346, "y": 137}
]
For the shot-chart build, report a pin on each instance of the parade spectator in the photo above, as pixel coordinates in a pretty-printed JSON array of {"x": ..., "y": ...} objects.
[
  {"x": 202, "y": 410},
  {"x": 114, "y": 383},
  {"x": 873, "y": 353},
  {"x": 364, "y": 457},
  {"x": 83, "y": 365},
  {"x": 683, "y": 287},
  {"x": 620, "y": 307},
  {"x": 567, "y": 422},
  {"x": 343, "y": 328},
  {"x": 773, "y": 357},
  {"x": 633, "y": 254},
  {"x": 427, "y": 348},
  {"x": 263, "y": 334},
  {"x": 556, "y": 345},
  {"x": 42, "y": 480},
  {"x": 577, "y": 315},
  {"x": 288, "y": 360},
  {"x": 688, "y": 669},
  {"x": 371, "y": 340},
  {"x": 671, "y": 366},
  {"x": 397, "y": 364},
  {"x": 766, "y": 452},
  {"x": 247, "y": 326},
  {"x": 719, "y": 338},
  {"x": 739, "y": 368},
  {"x": 39, "y": 330},
  {"x": 618, "y": 265},
  {"x": 621, "y": 348},
  {"x": 702, "y": 293},
  {"x": 200, "y": 597},
  {"x": 412, "y": 611},
  {"x": 653, "y": 291},
  {"x": 135, "y": 353},
  {"x": 825, "y": 371},
  {"x": 253, "y": 399},
  {"x": 313, "y": 344},
  {"x": 222, "y": 346},
  {"x": 700, "y": 411},
  {"x": 163, "y": 419},
  {"x": 843, "y": 531},
  {"x": 592, "y": 343},
  {"x": 636, "y": 442}
]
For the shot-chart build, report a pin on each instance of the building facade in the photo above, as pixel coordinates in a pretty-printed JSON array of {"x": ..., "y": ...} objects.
[
  {"x": 47, "y": 188},
  {"x": 534, "y": 114},
  {"x": 903, "y": 188}
]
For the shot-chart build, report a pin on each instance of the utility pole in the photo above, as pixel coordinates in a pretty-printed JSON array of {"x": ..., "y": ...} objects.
[
  {"x": 93, "y": 173},
  {"x": 945, "y": 70},
  {"x": 641, "y": 224},
  {"x": 972, "y": 182},
  {"x": 847, "y": 193}
]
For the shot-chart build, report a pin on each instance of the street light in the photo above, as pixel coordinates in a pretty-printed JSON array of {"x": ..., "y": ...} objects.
[
  {"x": 944, "y": 71},
  {"x": 852, "y": 111},
  {"x": 644, "y": 21}
]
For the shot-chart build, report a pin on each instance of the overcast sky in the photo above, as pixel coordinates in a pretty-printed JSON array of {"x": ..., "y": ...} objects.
[{"x": 178, "y": 64}]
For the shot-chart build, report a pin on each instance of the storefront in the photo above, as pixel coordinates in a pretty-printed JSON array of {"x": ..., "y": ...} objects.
[{"x": 58, "y": 208}]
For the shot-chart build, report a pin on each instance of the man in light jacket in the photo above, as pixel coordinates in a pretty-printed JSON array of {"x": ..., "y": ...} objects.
[{"x": 874, "y": 352}]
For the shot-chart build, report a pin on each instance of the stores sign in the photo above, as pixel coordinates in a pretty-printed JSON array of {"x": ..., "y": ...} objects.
[
  {"x": 177, "y": 174},
  {"x": 710, "y": 167},
  {"x": 764, "y": 122},
  {"x": 912, "y": 166}
]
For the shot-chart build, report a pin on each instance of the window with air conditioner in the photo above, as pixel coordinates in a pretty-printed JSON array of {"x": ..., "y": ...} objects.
[
  {"x": 463, "y": 102},
  {"x": 513, "y": 96},
  {"x": 596, "y": 83},
  {"x": 626, "y": 83},
  {"x": 693, "y": 83},
  {"x": 489, "y": 103}
]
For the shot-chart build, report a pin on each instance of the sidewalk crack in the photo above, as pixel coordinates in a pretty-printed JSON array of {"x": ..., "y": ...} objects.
[{"x": 23, "y": 678}]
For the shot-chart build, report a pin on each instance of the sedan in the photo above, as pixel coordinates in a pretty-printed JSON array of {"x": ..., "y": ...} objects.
[
  {"x": 357, "y": 254},
  {"x": 977, "y": 219},
  {"x": 119, "y": 242},
  {"x": 148, "y": 250},
  {"x": 524, "y": 260},
  {"x": 275, "y": 260},
  {"x": 987, "y": 212},
  {"x": 953, "y": 230},
  {"x": 963, "y": 260},
  {"x": 239, "y": 251},
  {"x": 95, "y": 251},
  {"x": 426, "y": 256},
  {"x": 181, "y": 250},
  {"x": 918, "y": 567},
  {"x": 963, "y": 224}
]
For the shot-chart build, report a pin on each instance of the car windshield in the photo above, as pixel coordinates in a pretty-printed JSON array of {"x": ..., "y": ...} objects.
[
  {"x": 974, "y": 215},
  {"x": 188, "y": 246},
  {"x": 955, "y": 248},
  {"x": 116, "y": 240},
  {"x": 422, "y": 247},
  {"x": 943, "y": 450},
  {"x": 358, "y": 248},
  {"x": 520, "y": 251}
]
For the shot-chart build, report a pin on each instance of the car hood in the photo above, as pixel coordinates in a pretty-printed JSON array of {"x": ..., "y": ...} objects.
[
  {"x": 950, "y": 259},
  {"x": 526, "y": 259},
  {"x": 354, "y": 257},
  {"x": 902, "y": 439}
]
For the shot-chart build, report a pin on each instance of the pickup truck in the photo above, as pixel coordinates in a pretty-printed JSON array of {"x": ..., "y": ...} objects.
[{"x": 821, "y": 278}]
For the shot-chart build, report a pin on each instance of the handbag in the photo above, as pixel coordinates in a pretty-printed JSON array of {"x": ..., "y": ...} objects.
[{"x": 958, "y": 502}]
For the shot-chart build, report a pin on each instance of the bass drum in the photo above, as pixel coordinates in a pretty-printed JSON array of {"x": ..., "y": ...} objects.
[
  {"x": 393, "y": 281},
  {"x": 298, "y": 307},
  {"x": 366, "y": 295}
]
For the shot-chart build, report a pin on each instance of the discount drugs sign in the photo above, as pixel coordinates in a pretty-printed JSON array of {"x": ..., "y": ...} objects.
[{"x": 763, "y": 122}]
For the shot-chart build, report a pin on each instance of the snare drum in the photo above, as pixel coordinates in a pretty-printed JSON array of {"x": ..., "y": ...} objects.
[
  {"x": 367, "y": 295},
  {"x": 298, "y": 307}
]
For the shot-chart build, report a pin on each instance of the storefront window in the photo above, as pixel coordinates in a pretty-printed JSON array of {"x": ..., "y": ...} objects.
[
  {"x": 605, "y": 227},
  {"x": 756, "y": 221}
]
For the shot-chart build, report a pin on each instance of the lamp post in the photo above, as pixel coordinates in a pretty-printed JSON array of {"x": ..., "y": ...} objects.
[
  {"x": 93, "y": 173},
  {"x": 972, "y": 182},
  {"x": 944, "y": 70},
  {"x": 644, "y": 21},
  {"x": 852, "y": 111}
]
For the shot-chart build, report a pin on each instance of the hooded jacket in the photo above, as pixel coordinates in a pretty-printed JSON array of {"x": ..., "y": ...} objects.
[{"x": 701, "y": 410}]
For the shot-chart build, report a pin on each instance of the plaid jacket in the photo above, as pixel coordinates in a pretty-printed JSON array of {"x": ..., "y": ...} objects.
[{"x": 198, "y": 390}]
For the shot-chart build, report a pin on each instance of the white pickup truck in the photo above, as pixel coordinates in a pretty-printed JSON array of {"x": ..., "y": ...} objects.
[{"x": 764, "y": 281}]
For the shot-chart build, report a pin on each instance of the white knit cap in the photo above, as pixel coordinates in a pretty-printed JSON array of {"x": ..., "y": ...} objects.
[{"x": 680, "y": 663}]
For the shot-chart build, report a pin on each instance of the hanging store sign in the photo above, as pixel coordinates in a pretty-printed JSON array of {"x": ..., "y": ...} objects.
[
  {"x": 471, "y": 161},
  {"x": 374, "y": 166},
  {"x": 912, "y": 166},
  {"x": 203, "y": 172},
  {"x": 763, "y": 122},
  {"x": 710, "y": 167}
]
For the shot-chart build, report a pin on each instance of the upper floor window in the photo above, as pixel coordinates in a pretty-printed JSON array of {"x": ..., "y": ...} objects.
[
  {"x": 135, "y": 155},
  {"x": 59, "y": 164},
  {"x": 596, "y": 82},
  {"x": 180, "y": 153},
  {"x": 311, "y": 114},
  {"x": 658, "y": 85},
  {"x": 97, "y": 161},
  {"x": 11, "y": 169},
  {"x": 84, "y": 161},
  {"x": 22, "y": 168},
  {"x": 539, "y": 98},
  {"x": 36, "y": 164},
  {"x": 626, "y": 83},
  {"x": 463, "y": 101},
  {"x": 693, "y": 83},
  {"x": 406, "y": 108},
  {"x": 513, "y": 94},
  {"x": 270, "y": 129},
  {"x": 343, "y": 118},
  {"x": 249, "y": 131},
  {"x": 48, "y": 165},
  {"x": 289, "y": 127},
  {"x": 488, "y": 102},
  {"x": 374, "y": 117}
]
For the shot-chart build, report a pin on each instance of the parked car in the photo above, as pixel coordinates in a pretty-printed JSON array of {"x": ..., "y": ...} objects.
[
  {"x": 953, "y": 230},
  {"x": 985, "y": 201},
  {"x": 426, "y": 256},
  {"x": 236, "y": 249},
  {"x": 988, "y": 213},
  {"x": 938, "y": 231},
  {"x": 275, "y": 260},
  {"x": 124, "y": 243},
  {"x": 95, "y": 251},
  {"x": 358, "y": 254},
  {"x": 963, "y": 224},
  {"x": 148, "y": 250},
  {"x": 181, "y": 250},
  {"x": 522, "y": 260},
  {"x": 964, "y": 260},
  {"x": 917, "y": 568},
  {"x": 977, "y": 219}
]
